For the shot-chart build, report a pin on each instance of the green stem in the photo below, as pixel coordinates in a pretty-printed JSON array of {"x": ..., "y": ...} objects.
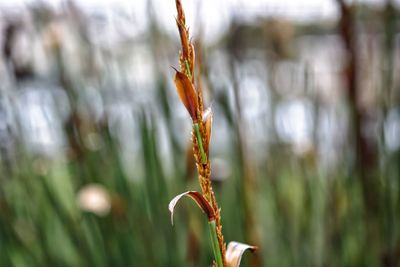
[
  {"x": 200, "y": 143},
  {"x": 189, "y": 73},
  {"x": 215, "y": 244}
]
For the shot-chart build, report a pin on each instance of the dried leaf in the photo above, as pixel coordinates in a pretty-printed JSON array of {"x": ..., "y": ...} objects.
[
  {"x": 235, "y": 251},
  {"x": 200, "y": 201},
  {"x": 187, "y": 94}
]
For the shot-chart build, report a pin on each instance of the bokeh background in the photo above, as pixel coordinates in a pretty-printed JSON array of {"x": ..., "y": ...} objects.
[{"x": 94, "y": 141}]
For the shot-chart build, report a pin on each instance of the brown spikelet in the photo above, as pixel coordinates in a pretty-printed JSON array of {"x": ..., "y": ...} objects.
[
  {"x": 184, "y": 33},
  {"x": 207, "y": 120},
  {"x": 181, "y": 14},
  {"x": 187, "y": 54},
  {"x": 187, "y": 94},
  {"x": 192, "y": 59}
]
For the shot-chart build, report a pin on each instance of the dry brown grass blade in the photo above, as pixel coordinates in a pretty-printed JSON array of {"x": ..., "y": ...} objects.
[
  {"x": 187, "y": 94},
  {"x": 200, "y": 201},
  {"x": 235, "y": 251}
]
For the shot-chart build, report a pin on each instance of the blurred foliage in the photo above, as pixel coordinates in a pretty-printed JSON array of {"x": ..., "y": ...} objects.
[{"x": 93, "y": 143}]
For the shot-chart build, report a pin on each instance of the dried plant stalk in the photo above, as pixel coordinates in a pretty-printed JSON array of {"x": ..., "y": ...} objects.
[
  {"x": 191, "y": 97},
  {"x": 201, "y": 126}
]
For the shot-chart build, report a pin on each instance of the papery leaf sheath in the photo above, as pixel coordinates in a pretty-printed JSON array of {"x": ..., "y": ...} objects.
[{"x": 235, "y": 251}]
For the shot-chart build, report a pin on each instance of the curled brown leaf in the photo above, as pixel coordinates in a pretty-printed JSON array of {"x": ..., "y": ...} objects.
[{"x": 200, "y": 201}]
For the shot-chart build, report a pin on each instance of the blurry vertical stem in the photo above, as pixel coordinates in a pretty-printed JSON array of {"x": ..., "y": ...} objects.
[
  {"x": 215, "y": 244},
  {"x": 200, "y": 143}
]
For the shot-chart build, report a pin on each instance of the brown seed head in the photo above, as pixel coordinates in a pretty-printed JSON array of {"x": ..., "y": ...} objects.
[{"x": 187, "y": 54}]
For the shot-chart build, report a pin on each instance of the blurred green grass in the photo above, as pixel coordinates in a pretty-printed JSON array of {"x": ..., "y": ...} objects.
[{"x": 297, "y": 211}]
